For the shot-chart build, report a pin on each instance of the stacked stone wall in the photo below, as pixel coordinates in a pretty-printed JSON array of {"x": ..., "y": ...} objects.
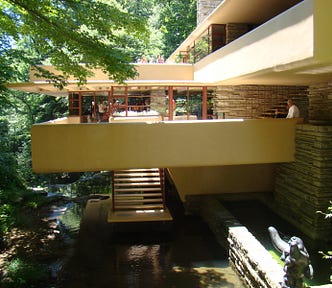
[
  {"x": 158, "y": 101},
  {"x": 257, "y": 101},
  {"x": 235, "y": 30},
  {"x": 304, "y": 187},
  {"x": 252, "y": 262},
  {"x": 320, "y": 103},
  {"x": 205, "y": 7}
]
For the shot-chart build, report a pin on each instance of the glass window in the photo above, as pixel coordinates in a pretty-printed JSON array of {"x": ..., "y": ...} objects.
[
  {"x": 74, "y": 104},
  {"x": 188, "y": 103},
  {"x": 213, "y": 38}
]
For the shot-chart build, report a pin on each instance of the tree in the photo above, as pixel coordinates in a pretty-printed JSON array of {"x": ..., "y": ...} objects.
[
  {"x": 11, "y": 185},
  {"x": 170, "y": 22},
  {"x": 149, "y": 10},
  {"x": 66, "y": 33},
  {"x": 177, "y": 20}
]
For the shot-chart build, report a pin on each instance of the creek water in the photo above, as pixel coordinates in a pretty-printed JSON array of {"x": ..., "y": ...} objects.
[{"x": 183, "y": 253}]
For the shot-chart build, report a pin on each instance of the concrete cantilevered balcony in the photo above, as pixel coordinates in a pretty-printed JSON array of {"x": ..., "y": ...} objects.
[
  {"x": 72, "y": 147},
  {"x": 292, "y": 48}
]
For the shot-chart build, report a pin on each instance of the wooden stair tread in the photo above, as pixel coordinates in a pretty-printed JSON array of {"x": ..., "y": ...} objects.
[
  {"x": 137, "y": 179},
  {"x": 137, "y": 189},
  {"x": 136, "y": 174},
  {"x": 125, "y": 216},
  {"x": 138, "y": 201},
  {"x": 137, "y": 170},
  {"x": 140, "y": 207},
  {"x": 137, "y": 195},
  {"x": 136, "y": 184}
]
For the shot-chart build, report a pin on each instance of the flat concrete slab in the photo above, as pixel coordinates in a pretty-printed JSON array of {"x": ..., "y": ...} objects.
[{"x": 139, "y": 216}]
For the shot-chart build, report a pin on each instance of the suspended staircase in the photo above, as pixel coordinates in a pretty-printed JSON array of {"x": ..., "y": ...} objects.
[{"x": 138, "y": 195}]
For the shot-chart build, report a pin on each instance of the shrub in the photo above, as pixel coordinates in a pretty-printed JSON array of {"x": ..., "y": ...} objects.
[
  {"x": 20, "y": 273},
  {"x": 328, "y": 215}
]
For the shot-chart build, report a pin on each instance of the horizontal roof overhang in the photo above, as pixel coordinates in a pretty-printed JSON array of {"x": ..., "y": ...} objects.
[
  {"x": 237, "y": 11},
  {"x": 293, "y": 48},
  {"x": 149, "y": 75},
  {"x": 43, "y": 87}
]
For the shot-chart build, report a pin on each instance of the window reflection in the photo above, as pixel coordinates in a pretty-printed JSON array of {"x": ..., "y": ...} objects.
[
  {"x": 213, "y": 38},
  {"x": 188, "y": 103}
]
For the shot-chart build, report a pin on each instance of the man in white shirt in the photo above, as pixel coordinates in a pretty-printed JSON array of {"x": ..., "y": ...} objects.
[{"x": 293, "y": 110}]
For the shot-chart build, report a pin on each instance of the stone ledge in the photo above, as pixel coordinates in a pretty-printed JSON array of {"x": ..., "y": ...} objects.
[{"x": 252, "y": 262}]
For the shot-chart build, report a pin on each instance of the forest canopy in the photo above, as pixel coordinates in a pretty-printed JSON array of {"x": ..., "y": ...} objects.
[
  {"x": 67, "y": 33},
  {"x": 106, "y": 34}
]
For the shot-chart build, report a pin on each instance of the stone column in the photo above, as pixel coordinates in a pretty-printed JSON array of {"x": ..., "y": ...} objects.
[
  {"x": 158, "y": 101},
  {"x": 205, "y": 7}
]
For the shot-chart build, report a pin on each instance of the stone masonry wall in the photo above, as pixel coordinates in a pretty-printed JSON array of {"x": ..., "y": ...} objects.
[
  {"x": 205, "y": 7},
  {"x": 320, "y": 103},
  {"x": 304, "y": 187},
  {"x": 252, "y": 262},
  {"x": 257, "y": 101},
  {"x": 158, "y": 101},
  {"x": 235, "y": 30}
]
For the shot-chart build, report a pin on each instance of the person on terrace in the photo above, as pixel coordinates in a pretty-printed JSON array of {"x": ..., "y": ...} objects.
[
  {"x": 160, "y": 59},
  {"x": 144, "y": 60},
  {"x": 293, "y": 110},
  {"x": 101, "y": 110}
]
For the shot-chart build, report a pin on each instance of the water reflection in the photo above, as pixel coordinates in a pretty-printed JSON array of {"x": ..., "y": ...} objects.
[{"x": 185, "y": 255}]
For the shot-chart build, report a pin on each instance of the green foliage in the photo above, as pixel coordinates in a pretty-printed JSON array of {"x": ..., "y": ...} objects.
[
  {"x": 9, "y": 178},
  {"x": 23, "y": 274},
  {"x": 328, "y": 215},
  {"x": 177, "y": 20},
  {"x": 276, "y": 257},
  {"x": 18, "y": 113},
  {"x": 148, "y": 10},
  {"x": 7, "y": 217},
  {"x": 169, "y": 22},
  {"x": 66, "y": 33},
  {"x": 11, "y": 184}
]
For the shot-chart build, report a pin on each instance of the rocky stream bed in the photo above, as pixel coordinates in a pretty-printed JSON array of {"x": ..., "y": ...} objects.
[{"x": 34, "y": 253}]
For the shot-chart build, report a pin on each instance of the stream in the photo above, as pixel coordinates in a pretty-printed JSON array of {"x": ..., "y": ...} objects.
[{"x": 181, "y": 254}]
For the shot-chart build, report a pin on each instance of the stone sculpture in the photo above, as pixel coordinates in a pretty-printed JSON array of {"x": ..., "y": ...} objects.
[{"x": 296, "y": 259}]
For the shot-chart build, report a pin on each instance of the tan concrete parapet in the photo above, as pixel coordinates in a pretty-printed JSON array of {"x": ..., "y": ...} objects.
[{"x": 147, "y": 71}]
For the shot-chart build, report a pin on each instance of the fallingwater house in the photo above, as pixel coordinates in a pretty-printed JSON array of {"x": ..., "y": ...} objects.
[{"x": 207, "y": 115}]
